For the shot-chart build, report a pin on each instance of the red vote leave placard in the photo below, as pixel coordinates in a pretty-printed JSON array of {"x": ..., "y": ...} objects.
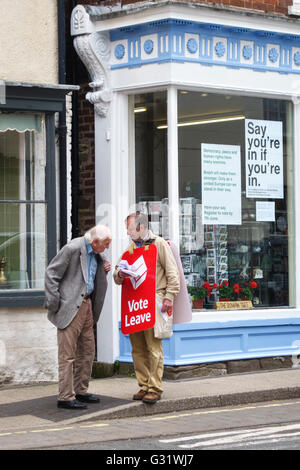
[{"x": 138, "y": 294}]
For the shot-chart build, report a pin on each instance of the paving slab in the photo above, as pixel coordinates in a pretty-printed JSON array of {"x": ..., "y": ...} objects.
[{"x": 35, "y": 405}]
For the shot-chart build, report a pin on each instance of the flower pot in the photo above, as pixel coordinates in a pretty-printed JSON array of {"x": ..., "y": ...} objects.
[
  {"x": 224, "y": 299},
  {"x": 198, "y": 304}
]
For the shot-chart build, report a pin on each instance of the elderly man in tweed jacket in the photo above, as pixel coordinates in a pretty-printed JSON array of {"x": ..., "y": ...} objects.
[{"x": 75, "y": 288}]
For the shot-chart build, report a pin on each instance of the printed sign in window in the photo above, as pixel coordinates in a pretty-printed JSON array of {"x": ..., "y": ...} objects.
[
  {"x": 221, "y": 184},
  {"x": 263, "y": 159}
]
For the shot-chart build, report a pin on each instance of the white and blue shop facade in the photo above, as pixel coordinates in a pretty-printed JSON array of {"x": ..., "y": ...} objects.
[{"x": 165, "y": 81}]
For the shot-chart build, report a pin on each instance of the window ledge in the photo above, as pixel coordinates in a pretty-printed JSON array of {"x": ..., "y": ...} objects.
[
  {"x": 22, "y": 299},
  {"x": 240, "y": 315}
]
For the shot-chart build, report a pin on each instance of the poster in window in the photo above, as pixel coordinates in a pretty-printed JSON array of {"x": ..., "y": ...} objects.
[
  {"x": 221, "y": 184},
  {"x": 263, "y": 159}
]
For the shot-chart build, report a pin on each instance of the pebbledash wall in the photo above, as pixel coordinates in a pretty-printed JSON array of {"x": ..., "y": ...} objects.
[{"x": 169, "y": 45}]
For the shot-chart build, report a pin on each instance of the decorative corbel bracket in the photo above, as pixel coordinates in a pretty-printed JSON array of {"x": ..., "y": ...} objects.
[
  {"x": 80, "y": 21},
  {"x": 94, "y": 50}
]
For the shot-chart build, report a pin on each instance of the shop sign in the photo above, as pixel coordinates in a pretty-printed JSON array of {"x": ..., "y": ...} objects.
[
  {"x": 138, "y": 290},
  {"x": 221, "y": 184},
  {"x": 264, "y": 159},
  {"x": 234, "y": 305}
]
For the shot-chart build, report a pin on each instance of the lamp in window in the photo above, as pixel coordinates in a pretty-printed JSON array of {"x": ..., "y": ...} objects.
[
  {"x": 3, "y": 278},
  {"x": 140, "y": 109},
  {"x": 205, "y": 121}
]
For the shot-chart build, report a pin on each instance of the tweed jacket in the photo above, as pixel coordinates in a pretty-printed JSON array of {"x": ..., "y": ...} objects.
[{"x": 65, "y": 284}]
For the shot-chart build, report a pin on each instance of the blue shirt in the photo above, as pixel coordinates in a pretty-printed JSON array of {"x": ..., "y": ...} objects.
[
  {"x": 91, "y": 268},
  {"x": 139, "y": 244}
]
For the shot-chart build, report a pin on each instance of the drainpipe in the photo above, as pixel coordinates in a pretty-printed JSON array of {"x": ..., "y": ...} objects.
[
  {"x": 62, "y": 126},
  {"x": 74, "y": 152}
]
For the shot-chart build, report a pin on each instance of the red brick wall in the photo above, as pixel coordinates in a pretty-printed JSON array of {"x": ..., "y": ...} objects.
[
  {"x": 86, "y": 150},
  {"x": 268, "y": 6},
  {"x": 279, "y": 7}
]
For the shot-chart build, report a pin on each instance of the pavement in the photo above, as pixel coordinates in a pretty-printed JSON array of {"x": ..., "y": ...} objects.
[{"x": 31, "y": 406}]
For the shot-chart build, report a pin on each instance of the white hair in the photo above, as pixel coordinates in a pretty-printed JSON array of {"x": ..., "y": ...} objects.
[{"x": 102, "y": 232}]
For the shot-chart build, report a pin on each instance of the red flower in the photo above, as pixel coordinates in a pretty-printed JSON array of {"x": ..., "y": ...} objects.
[
  {"x": 224, "y": 283},
  {"x": 253, "y": 284},
  {"x": 215, "y": 286},
  {"x": 236, "y": 286},
  {"x": 206, "y": 285},
  {"x": 208, "y": 294}
]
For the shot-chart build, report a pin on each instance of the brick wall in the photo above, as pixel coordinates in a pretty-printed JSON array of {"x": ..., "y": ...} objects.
[
  {"x": 86, "y": 150},
  {"x": 279, "y": 7}
]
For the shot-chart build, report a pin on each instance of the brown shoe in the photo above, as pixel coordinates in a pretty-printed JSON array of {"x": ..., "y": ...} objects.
[
  {"x": 151, "y": 398},
  {"x": 139, "y": 395}
]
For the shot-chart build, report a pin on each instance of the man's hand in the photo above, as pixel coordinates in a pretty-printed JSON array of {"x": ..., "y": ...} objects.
[
  {"x": 166, "y": 305},
  {"x": 107, "y": 266},
  {"x": 122, "y": 275}
]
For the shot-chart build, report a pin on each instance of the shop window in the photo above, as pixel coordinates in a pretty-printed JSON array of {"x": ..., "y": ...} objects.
[
  {"x": 151, "y": 169},
  {"x": 235, "y": 188},
  {"x": 23, "y": 244}
]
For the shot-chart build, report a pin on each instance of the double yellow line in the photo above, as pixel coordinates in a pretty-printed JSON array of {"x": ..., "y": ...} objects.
[{"x": 53, "y": 429}]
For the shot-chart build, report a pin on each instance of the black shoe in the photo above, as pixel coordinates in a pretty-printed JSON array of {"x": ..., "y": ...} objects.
[
  {"x": 71, "y": 405},
  {"x": 88, "y": 398}
]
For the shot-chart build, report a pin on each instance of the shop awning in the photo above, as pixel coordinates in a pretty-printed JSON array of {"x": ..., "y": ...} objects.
[{"x": 20, "y": 122}]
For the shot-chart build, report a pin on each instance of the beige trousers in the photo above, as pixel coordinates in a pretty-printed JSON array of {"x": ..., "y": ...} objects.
[
  {"x": 76, "y": 352},
  {"x": 147, "y": 354}
]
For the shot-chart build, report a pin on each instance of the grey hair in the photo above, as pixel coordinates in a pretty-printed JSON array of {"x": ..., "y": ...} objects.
[
  {"x": 139, "y": 219},
  {"x": 99, "y": 231}
]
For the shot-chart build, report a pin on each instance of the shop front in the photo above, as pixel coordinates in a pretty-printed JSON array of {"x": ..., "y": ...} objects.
[
  {"x": 30, "y": 223},
  {"x": 196, "y": 124}
]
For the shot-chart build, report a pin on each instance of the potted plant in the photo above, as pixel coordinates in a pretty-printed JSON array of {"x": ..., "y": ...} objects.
[
  {"x": 198, "y": 294},
  {"x": 247, "y": 292},
  {"x": 237, "y": 290},
  {"x": 226, "y": 292}
]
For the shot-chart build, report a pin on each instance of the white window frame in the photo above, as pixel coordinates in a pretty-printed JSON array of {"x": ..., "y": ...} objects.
[
  {"x": 173, "y": 195},
  {"x": 294, "y": 9}
]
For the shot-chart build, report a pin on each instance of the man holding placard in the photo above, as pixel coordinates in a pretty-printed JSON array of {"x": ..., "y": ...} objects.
[{"x": 150, "y": 281}]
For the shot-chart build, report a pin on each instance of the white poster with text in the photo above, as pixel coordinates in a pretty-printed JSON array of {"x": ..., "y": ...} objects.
[
  {"x": 221, "y": 184},
  {"x": 263, "y": 159}
]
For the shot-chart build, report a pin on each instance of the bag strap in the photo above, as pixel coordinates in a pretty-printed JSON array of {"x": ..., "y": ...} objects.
[{"x": 131, "y": 248}]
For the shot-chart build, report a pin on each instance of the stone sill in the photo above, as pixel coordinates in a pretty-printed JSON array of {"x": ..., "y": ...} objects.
[{"x": 213, "y": 369}]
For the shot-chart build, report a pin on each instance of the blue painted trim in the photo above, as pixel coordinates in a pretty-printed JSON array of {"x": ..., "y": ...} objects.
[
  {"x": 194, "y": 343},
  {"x": 175, "y": 44}
]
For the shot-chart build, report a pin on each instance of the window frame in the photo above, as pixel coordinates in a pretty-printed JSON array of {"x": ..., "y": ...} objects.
[
  {"x": 173, "y": 176},
  {"x": 48, "y": 101}
]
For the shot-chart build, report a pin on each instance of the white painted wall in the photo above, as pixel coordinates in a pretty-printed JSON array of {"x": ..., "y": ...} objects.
[
  {"x": 28, "y": 346},
  {"x": 112, "y": 205},
  {"x": 28, "y": 38}
]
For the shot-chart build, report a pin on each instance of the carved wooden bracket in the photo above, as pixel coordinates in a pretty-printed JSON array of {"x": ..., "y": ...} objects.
[{"x": 94, "y": 50}]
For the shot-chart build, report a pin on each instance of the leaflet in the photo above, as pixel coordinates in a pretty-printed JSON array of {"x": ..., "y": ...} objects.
[{"x": 165, "y": 315}]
